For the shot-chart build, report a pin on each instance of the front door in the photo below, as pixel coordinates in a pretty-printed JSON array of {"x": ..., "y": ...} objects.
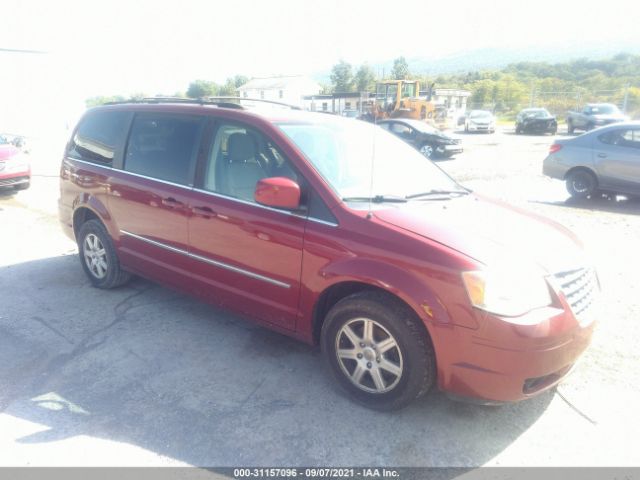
[{"x": 248, "y": 256}]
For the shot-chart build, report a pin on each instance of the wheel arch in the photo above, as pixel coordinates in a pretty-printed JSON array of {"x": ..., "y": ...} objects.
[
  {"x": 582, "y": 168},
  {"x": 426, "y": 307},
  {"x": 88, "y": 208}
]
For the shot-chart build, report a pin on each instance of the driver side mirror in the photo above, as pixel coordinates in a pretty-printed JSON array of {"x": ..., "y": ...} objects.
[{"x": 278, "y": 192}]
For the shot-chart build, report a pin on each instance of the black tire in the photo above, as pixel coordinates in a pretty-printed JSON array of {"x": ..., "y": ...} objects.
[
  {"x": 581, "y": 183},
  {"x": 22, "y": 186},
  {"x": 570, "y": 127},
  {"x": 518, "y": 131},
  {"x": 414, "y": 351},
  {"x": 114, "y": 276}
]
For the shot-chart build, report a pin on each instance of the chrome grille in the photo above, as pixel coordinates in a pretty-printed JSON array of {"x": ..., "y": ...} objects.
[{"x": 580, "y": 288}]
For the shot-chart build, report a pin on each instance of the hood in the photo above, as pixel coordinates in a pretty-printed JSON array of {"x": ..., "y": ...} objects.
[
  {"x": 541, "y": 119},
  {"x": 610, "y": 117},
  {"x": 8, "y": 151},
  {"x": 490, "y": 231}
]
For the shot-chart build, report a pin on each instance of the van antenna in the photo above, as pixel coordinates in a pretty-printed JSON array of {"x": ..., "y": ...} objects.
[{"x": 373, "y": 156}]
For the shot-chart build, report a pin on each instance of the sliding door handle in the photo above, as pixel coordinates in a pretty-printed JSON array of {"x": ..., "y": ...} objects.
[
  {"x": 205, "y": 212},
  {"x": 171, "y": 202}
]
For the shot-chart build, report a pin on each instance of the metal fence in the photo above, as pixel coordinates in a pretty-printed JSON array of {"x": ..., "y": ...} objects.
[{"x": 559, "y": 103}]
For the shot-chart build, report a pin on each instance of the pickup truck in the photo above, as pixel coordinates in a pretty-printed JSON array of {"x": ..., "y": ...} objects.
[{"x": 594, "y": 115}]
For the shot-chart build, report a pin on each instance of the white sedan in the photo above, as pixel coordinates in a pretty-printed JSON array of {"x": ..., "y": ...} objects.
[{"x": 480, "y": 121}]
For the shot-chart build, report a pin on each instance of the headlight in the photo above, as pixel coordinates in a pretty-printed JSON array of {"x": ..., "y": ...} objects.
[{"x": 506, "y": 292}]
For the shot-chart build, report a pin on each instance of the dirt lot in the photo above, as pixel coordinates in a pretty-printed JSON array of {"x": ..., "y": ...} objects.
[{"x": 146, "y": 376}]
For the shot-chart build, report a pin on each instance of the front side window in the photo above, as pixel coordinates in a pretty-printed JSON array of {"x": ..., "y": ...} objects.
[
  {"x": 348, "y": 154},
  {"x": 98, "y": 136},
  {"x": 163, "y": 146},
  {"x": 239, "y": 158}
]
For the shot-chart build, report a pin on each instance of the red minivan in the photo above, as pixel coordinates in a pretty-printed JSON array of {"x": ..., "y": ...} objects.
[{"x": 337, "y": 233}]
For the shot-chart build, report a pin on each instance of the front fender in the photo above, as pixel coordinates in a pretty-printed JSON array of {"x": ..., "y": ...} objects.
[{"x": 400, "y": 282}]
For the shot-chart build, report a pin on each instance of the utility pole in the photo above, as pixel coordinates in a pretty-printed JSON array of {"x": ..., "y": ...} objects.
[
  {"x": 626, "y": 98},
  {"x": 531, "y": 95}
]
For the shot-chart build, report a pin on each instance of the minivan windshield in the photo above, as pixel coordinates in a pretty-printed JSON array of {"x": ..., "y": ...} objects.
[{"x": 361, "y": 160}]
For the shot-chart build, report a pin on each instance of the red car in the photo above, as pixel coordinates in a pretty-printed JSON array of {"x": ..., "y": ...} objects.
[
  {"x": 334, "y": 232},
  {"x": 15, "y": 170}
]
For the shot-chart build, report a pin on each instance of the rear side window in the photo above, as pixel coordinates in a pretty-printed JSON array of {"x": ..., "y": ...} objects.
[
  {"x": 622, "y": 138},
  {"x": 163, "y": 146},
  {"x": 98, "y": 136}
]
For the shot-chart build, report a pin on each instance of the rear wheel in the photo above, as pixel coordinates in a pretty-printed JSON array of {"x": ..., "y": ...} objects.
[
  {"x": 22, "y": 186},
  {"x": 581, "y": 184},
  {"x": 377, "y": 351},
  {"x": 98, "y": 256},
  {"x": 570, "y": 127}
]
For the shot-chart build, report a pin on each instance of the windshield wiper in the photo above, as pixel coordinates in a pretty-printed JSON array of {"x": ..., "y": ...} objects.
[
  {"x": 377, "y": 199},
  {"x": 437, "y": 192}
]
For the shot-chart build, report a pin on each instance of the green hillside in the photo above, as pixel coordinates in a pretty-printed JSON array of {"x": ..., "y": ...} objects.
[{"x": 558, "y": 87}]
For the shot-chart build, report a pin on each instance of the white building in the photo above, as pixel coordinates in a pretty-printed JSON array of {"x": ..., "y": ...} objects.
[{"x": 286, "y": 89}]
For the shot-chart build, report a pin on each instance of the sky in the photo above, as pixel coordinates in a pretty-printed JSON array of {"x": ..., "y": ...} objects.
[{"x": 111, "y": 47}]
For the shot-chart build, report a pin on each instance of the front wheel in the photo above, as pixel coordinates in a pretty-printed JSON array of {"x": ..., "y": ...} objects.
[
  {"x": 98, "y": 256},
  {"x": 377, "y": 351},
  {"x": 22, "y": 186},
  {"x": 581, "y": 184},
  {"x": 570, "y": 127},
  {"x": 427, "y": 150}
]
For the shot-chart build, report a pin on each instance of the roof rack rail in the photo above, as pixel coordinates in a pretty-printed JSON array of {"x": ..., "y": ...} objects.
[
  {"x": 192, "y": 101},
  {"x": 249, "y": 99}
]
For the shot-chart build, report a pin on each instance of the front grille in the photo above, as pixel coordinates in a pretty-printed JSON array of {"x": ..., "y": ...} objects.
[{"x": 580, "y": 288}]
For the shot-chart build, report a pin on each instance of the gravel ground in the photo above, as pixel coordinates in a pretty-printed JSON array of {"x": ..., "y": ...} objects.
[{"x": 146, "y": 376}]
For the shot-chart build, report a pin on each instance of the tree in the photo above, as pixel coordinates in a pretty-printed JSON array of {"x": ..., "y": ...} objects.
[
  {"x": 400, "y": 69},
  {"x": 229, "y": 89},
  {"x": 365, "y": 78},
  {"x": 239, "y": 80},
  {"x": 202, "y": 88},
  {"x": 342, "y": 77}
]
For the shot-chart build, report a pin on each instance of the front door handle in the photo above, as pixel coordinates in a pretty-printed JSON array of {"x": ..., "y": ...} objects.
[
  {"x": 171, "y": 202},
  {"x": 602, "y": 155},
  {"x": 205, "y": 212}
]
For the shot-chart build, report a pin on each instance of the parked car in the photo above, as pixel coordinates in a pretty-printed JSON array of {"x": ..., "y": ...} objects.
[
  {"x": 605, "y": 160},
  {"x": 336, "y": 233},
  {"x": 594, "y": 115},
  {"x": 15, "y": 168},
  {"x": 536, "y": 120},
  {"x": 350, "y": 113},
  {"x": 480, "y": 121},
  {"x": 428, "y": 140}
]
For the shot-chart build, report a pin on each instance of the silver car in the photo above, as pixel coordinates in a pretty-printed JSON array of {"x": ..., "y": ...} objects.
[{"x": 603, "y": 160}]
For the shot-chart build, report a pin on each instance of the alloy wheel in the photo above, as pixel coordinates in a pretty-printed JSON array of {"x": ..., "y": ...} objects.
[
  {"x": 95, "y": 256},
  {"x": 426, "y": 150},
  {"x": 369, "y": 355}
]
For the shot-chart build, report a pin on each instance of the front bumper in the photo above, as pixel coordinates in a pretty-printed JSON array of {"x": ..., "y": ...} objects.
[
  {"x": 449, "y": 149},
  {"x": 14, "y": 174},
  {"x": 481, "y": 128},
  {"x": 505, "y": 362}
]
